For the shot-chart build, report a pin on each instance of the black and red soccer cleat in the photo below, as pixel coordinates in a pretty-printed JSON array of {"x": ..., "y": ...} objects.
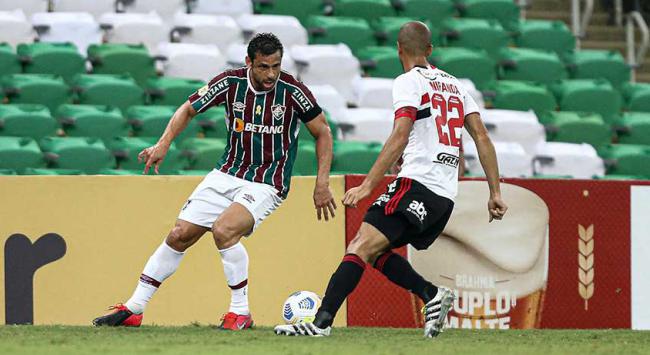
[
  {"x": 234, "y": 321},
  {"x": 119, "y": 317}
]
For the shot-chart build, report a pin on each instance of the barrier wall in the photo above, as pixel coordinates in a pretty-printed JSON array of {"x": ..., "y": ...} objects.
[{"x": 93, "y": 234}]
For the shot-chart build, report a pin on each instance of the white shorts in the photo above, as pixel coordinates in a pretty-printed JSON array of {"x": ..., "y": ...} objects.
[{"x": 219, "y": 190}]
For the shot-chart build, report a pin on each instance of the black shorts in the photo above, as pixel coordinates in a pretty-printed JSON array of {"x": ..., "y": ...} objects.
[{"x": 409, "y": 213}]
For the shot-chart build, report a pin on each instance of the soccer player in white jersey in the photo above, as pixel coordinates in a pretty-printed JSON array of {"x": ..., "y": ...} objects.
[{"x": 431, "y": 108}]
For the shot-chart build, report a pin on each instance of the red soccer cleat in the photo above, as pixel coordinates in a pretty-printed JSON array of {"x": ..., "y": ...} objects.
[
  {"x": 234, "y": 321},
  {"x": 119, "y": 317}
]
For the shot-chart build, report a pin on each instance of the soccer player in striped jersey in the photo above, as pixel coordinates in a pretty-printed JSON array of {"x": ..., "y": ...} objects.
[{"x": 265, "y": 107}]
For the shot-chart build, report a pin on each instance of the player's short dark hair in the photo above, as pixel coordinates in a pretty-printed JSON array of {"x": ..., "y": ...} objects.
[{"x": 265, "y": 43}]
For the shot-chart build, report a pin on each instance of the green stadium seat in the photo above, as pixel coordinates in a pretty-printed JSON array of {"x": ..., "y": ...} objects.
[
  {"x": 104, "y": 89},
  {"x": 37, "y": 171},
  {"x": 194, "y": 172},
  {"x": 306, "y": 163},
  {"x": 435, "y": 11},
  {"x": 466, "y": 63},
  {"x": 505, "y": 11},
  {"x": 151, "y": 121},
  {"x": 19, "y": 153},
  {"x": 87, "y": 154},
  {"x": 353, "y": 31},
  {"x": 118, "y": 58},
  {"x": 380, "y": 62},
  {"x": 547, "y": 35},
  {"x": 8, "y": 172},
  {"x": 576, "y": 127},
  {"x": 45, "y": 89},
  {"x": 387, "y": 28},
  {"x": 368, "y": 9},
  {"x": 522, "y": 96},
  {"x": 587, "y": 95},
  {"x": 623, "y": 177},
  {"x": 637, "y": 96},
  {"x": 475, "y": 33},
  {"x": 119, "y": 172},
  {"x": 26, "y": 120},
  {"x": 634, "y": 128},
  {"x": 98, "y": 121},
  {"x": 126, "y": 150},
  {"x": 627, "y": 159},
  {"x": 305, "y": 135},
  {"x": 171, "y": 91},
  {"x": 594, "y": 64},
  {"x": 289, "y": 8},
  {"x": 531, "y": 65},
  {"x": 203, "y": 153},
  {"x": 213, "y": 122},
  {"x": 61, "y": 59},
  {"x": 9, "y": 63},
  {"x": 355, "y": 157}
]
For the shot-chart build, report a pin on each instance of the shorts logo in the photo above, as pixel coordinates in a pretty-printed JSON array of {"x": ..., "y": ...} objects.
[
  {"x": 447, "y": 159},
  {"x": 249, "y": 198},
  {"x": 278, "y": 111},
  {"x": 418, "y": 209},
  {"x": 382, "y": 199},
  {"x": 392, "y": 186}
]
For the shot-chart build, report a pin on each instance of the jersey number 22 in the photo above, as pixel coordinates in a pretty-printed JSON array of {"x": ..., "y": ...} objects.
[{"x": 451, "y": 116}]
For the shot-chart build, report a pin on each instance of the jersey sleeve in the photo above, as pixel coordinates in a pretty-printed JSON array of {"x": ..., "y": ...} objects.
[
  {"x": 405, "y": 93},
  {"x": 212, "y": 94},
  {"x": 306, "y": 105},
  {"x": 469, "y": 104}
]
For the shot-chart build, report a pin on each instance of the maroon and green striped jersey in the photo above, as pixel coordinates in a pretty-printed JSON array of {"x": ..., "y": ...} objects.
[{"x": 262, "y": 126}]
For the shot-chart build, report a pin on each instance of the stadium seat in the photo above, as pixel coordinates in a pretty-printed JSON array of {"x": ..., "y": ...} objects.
[
  {"x": 191, "y": 61},
  {"x": 94, "y": 7},
  {"x": 120, "y": 91},
  {"x": 472, "y": 64},
  {"x": 79, "y": 28},
  {"x": 328, "y": 64},
  {"x": 637, "y": 96},
  {"x": 15, "y": 29},
  {"x": 522, "y": 96},
  {"x": 367, "y": 9},
  {"x": 287, "y": 28},
  {"x": 8, "y": 172},
  {"x": 39, "y": 171},
  {"x": 237, "y": 53},
  {"x": 231, "y": 8},
  {"x": 29, "y": 7},
  {"x": 374, "y": 93},
  {"x": 26, "y": 120},
  {"x": 288, "y": 7},
  {"x": 436, "y": 11},
  {"x": 505, "y": 11},
  {"x": 203, "y": 153},
  {"x": 200, "y": 29},
  {"x": 475, "y": 33},
  {"x": 113, "y": 58},
  {"x": 355, "y": 32},
  {"x": 512, "y": 126},
  {"x": 146, "y": 29},
  {"x": 627, "y": 159},
  {"x": 49, "y": 90},
  {"x": 103, "y": 122},
  {"x": 576, "y": 127},
  {"x": 473, "y": 91},
  {"x": 19, "y": 153},
  {"x": 366, "y": 124},
  {"x": 171, "y": 91},
  {"x": 150, "y": 121},
  {"x": 380, "y": 62},
  {"x": 634, "y": 128},
  {"x": 52, "y": 58},
  {"x": 579, "y": 161},
  {"x": 306, "y": 163},
  {"x": 9, "y": 63},
  {"x": 120, "y": 172},
  {"x": 87, "y": 154},
  {"x": 589, "y": 96},
  {"x": 164, "y": 8},
  {"x": 305, "y": 136},
  {"x": 594, "y": 64},
  {"x": 512, "y": 159},
  {"x": 355, "y": 157},
  {"x": 213, "y": 122},
  {"x": 126, "y": 150},
  {"x": 387, "y": 28},
  {"x": 193, "y": 172},
  {"x": 531, "y": 65},
  {"x": 546, "y": 35},
  {"x": 329, "y": 99}
]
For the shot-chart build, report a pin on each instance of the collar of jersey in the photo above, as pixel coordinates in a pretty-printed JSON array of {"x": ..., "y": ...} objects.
[{"x": 250, "y": 85}]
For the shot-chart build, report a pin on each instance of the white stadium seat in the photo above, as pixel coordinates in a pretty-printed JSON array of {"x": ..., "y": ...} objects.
[
  {"x": 93, "y": 7},
  {"x": 147, "y": 29},
  {"x": 236, "y": 58},
  {"x": 514, "y": 126},
  {"x": 568, "y": 159},
  {"x": 322, "y": 64},
  {"x": 164, "y": 8},
  {"x": 192, "y": 61},
  {"x": 374, "y": 92},
  {"x": 329, "y": 100},
  {"x": 79, "y": 28},
  {"x": 473, "y": 91},
  {"x": 513, "y": 160},
  {"x": 366, "y": 124},
  {"x": 202, "y": 29},
  {"x": 15, "y": 29},
  {"x": 222, "y": 7},
  {"x": 287, "y": 28},
  {"x": 28, "y": 7}
]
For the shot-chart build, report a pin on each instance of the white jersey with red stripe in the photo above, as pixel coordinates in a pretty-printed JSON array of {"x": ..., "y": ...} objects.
[{"x": 441, "y": 103}]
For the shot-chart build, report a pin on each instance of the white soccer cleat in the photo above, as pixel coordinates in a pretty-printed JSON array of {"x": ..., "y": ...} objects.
[
  {"x": 302, "y": 329},
  {"x": 435, "y": 312}
]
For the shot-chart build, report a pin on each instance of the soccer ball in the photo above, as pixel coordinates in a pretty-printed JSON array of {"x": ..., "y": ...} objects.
[{"x": 300, "y": 307}]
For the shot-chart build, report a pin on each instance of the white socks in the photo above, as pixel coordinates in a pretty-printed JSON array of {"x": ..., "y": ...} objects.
[
  {"x": 160, "y": 266},
  {"x": 235, "y": 266}
]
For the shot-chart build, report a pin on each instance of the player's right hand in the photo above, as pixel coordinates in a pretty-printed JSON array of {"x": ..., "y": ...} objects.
[
  {"x": 354, "y": 195},
  {"x": 153, "y": 155},
  {"x": 497, "y": 208}
]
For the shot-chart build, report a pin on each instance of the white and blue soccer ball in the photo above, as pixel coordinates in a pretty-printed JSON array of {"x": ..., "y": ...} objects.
[{"x": 300, "y": 307}]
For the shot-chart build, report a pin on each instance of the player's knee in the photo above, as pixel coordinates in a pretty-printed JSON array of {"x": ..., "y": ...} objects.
[
  {"x": 364, "y": 248},
  {"x": 180, "y": 238},
  {"x": 225, "y": 235}
]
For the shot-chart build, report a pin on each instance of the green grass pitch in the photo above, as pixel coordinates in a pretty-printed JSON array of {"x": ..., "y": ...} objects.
[{"x": 208, "y": 340}]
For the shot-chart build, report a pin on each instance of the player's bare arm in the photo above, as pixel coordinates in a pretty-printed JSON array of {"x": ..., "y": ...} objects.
[
  {"x": 155, "y": 154},
  {"x": 392, "y": 150},
  {"x": 323, "y": 199},
  {"x": 488, "y": 157}
]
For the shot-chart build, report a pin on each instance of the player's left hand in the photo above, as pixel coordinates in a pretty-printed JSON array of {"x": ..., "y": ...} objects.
[
  {"x": 497, "y": 208},
  {"x": 354, "y": 195},
  {"x": 324, "y": 202}
]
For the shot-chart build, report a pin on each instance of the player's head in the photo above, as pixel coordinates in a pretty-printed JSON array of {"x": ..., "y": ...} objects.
[
  {"x": 264, "y": 58},
  {"x": 413, "y": 41}
]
